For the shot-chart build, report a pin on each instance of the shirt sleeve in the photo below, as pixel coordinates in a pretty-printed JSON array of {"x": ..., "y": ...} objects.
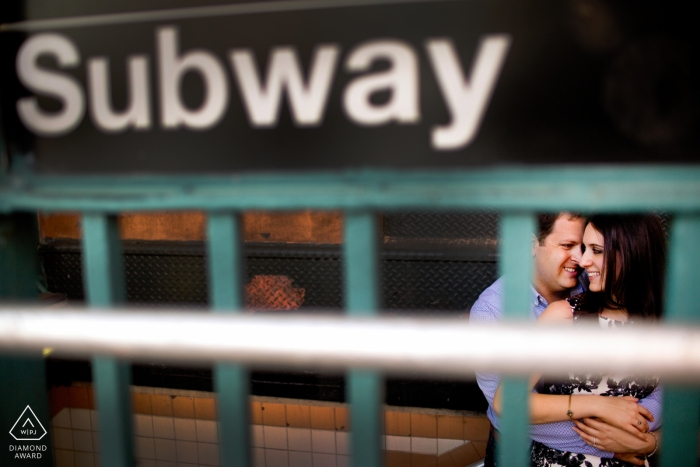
[
  {"x": 484, "y": 312},
  {"x": 653, "y": 404}
]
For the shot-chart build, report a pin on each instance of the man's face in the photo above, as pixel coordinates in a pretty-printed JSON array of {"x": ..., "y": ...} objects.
[{"x": 556, "y": 260}]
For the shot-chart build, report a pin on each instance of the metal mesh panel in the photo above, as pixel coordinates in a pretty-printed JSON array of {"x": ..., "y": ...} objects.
[
  {"x": 435, "y": 285},
  {"x": 63, "y": 272},
  {"x": 439, "y": 225},
  {"x": 165, "y": 278},
  {"x": 161, "y": 276}
]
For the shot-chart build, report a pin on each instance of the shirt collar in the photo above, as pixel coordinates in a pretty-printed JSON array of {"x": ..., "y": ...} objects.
[{"x": 537, "y": 299}]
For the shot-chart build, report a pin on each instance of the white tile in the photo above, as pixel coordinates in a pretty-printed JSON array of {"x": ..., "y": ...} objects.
[
  {"x": 446, "y": 445},
  {"x": 143, "y": 425},
  {"x": 80, "y": 419},
  {"x": 208, "y": 453},
  {"x": 165, "y": 464},
  {"x": 342, "y": 442},
  {"x": 275, "y": 437},
  {"x": 423, "y": 445},
  {"x": 323, "y": 460},
  {"x": 163, "y": 427},
  {"x": 95, "y": 420},
  {"x": 96, "y": 441},
  {"x": 258, "y": 457},
  {"x": 63, "y": 438},
  {"x": 185, "y": 429},
  {"x": 323, "y": 441},
  {"x": 62, "y": 419},
  {"x": 276, "y": 458},
  {"x": 82, "y": 440},
  {"x": 256, "y": 436},
  {"x": 299, "y": 439},
  {"x": 84, "y": 459},
  {"x": 300, "y": 459},
  {"x": 186, "y": 451},
  {"x": 342, "y": 461},
  {"x": 64, "y": 458},
  {"x": 144, "y": 447},
  {"x": 398, "y": 443},
  {"x": 165, "y": 449},
  {"x": 146, "y": 463},
  {"x": 206, "y": 431}
]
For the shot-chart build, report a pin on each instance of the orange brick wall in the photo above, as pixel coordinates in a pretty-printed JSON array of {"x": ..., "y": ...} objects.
[{"x": 296, "y": 227}]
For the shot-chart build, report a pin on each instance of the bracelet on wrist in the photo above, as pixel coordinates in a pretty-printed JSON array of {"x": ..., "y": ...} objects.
[{"x": 656, "y": 445}]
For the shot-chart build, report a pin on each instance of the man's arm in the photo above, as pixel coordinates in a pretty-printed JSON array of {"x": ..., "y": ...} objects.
[
  {"x": 484, "y": 312},
  {"x": 608, "y": 438},
  {"x": 653, "y": 403},
  {"x": 624, "y": 446}
]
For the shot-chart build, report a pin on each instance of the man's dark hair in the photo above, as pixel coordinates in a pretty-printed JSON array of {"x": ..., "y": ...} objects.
[
  {"x": 635, "y": 247},
  {"x": 545, "y": 223}
]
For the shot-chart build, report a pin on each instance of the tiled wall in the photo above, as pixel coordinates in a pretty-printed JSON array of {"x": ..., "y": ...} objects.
[{"x": 178, "y": 429}]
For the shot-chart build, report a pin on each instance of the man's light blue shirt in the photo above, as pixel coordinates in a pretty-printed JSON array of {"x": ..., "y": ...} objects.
[{"x": 559, "y": 435}]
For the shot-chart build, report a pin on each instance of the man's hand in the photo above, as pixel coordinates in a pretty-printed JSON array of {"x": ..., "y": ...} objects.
[
  {"x": 635, "y": 459},
  {"x": 625, "y": 445}
]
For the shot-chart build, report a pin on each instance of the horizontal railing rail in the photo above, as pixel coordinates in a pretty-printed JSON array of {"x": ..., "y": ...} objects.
[
  {"x": 448, "y": 347},
  {"x": 585, "y": 188}
]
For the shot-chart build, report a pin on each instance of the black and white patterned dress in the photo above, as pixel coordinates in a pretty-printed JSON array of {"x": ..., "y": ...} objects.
[{"x": 584, "y": 307}]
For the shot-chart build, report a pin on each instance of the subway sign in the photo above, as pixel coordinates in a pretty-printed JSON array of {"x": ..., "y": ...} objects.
[{"x": 332, "y": 84}]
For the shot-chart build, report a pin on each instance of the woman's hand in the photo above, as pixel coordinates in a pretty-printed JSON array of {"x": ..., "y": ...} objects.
[
  {"x": 625, "y": 413},
  {"x": 612, "y": 439}
]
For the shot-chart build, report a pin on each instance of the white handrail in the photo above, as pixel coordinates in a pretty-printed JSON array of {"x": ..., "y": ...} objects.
[{"x": 444, "y": 347}]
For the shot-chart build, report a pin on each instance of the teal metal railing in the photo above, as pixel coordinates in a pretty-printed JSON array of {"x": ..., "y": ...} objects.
[{"x": 517, "y": 193}]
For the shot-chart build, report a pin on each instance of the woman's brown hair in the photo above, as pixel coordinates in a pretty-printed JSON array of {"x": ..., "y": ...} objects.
[{"x": 634, "y": 246}]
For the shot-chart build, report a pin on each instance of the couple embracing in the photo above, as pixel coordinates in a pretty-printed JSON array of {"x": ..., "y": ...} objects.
[{"x": 584, "y": 419}]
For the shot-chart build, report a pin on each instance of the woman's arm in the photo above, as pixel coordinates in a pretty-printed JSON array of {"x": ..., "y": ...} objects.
[{"x": 621, "y": 412}]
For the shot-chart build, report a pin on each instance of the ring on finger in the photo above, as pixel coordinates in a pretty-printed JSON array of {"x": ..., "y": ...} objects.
[{"x": 595, "y": 441}]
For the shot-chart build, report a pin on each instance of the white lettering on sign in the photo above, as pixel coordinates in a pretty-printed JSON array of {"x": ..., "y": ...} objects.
[
  {"x": 138, "y": 112},
  {"x": 172, "y": 68},
  {"x": 61, "y": 86},
  {"x": 465, "y": 98},
  {"x": 307, "y": 101},
  {"x": 466, "y": 95},
  {"x": 401, "y": 79}
]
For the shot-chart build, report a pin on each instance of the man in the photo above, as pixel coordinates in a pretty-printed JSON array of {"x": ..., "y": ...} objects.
[{"x": 556, "y": 251}]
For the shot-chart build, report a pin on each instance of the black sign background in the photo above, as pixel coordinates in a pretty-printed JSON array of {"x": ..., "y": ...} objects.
[{"x": 584, "y": 81}]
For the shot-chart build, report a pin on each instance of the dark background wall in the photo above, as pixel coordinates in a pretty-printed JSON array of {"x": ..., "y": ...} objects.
[{"x": 432, "y": 264}]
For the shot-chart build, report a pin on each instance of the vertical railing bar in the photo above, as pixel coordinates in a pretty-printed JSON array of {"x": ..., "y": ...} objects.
[
  {"x": 226, "y": 270},
  {"x": 515, "y": 265},
  {"x": 682, "y": 404},
  {"x": 22, "y": 377},
  {"x": 365, "y": 389},
  {"x": 103, "y": 275}
]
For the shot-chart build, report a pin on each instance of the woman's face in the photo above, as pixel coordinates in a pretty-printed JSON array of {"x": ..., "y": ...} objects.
[{"x": 593, "y": 259}]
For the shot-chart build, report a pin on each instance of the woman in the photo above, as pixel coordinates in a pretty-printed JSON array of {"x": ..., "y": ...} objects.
[{"x": 624, "y": 256}]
